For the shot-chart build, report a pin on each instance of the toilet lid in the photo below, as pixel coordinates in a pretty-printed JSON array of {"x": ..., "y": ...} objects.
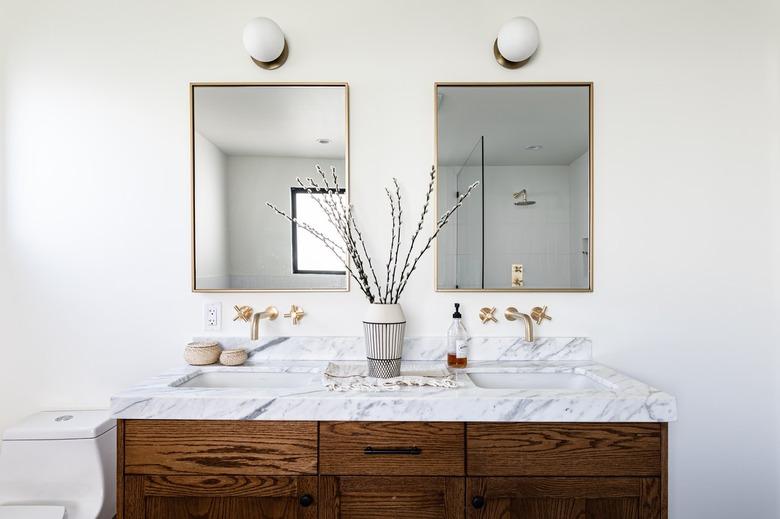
[{"x": 32, "y": 512}]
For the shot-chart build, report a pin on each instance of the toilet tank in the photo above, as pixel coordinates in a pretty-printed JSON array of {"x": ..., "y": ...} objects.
[{"x": 63, "y": 458}]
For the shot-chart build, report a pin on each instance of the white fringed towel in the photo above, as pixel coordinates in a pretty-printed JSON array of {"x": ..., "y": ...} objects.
[{"x": 354, "y": 377}]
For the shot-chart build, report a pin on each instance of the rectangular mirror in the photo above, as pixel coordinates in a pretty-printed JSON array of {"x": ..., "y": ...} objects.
[
  {"x": 249, "y": 144},
  {"x": 530, "y": 225}
]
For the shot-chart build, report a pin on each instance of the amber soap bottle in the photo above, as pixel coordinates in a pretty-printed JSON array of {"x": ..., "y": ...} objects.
[{"x": 457, "y": 341}]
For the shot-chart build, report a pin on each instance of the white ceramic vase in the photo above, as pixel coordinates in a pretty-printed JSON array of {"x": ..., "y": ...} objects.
[{"x": 384, "y": 327}]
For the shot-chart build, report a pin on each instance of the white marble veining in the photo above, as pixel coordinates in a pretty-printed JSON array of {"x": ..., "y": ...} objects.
[
  {"x": 618, "y": 397},
  {"x": 415, "y": 348}
]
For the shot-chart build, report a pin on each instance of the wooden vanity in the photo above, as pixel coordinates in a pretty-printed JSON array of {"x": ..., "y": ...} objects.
[{"x": 181, "y": 469}]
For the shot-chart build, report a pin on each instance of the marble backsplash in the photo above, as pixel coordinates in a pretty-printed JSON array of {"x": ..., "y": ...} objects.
[{"x": 415, "y": 348}]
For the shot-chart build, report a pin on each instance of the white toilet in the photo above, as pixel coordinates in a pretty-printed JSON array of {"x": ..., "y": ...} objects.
[{"x": 59, "y": 464}]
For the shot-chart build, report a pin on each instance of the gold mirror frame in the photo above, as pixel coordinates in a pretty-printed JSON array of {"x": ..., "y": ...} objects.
[
  {"x": 192, "y": 178},
  {"x": 589, "y": 85}
]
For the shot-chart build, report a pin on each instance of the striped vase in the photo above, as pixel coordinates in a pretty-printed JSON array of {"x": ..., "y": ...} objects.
[{"x": 384, "y": 327}]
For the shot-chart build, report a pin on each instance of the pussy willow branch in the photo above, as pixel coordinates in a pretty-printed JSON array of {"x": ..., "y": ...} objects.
[
  {"x": 334, "y": 247},
  {"x": 344, "y": 223},
  {"x": 439, "y": 225},
  {"x": 328, "y": 207},
  {"x": 398, "y": 241},
  {"x": 341, "y": 217},
  {"x": 392, "y": 245},
  {"x": 418, "y": 230}
]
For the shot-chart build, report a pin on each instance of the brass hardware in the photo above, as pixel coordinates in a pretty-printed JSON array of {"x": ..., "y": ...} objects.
[
  {"x": 539, "y": 314},
  {"x": 512, "y": 314},
  {"x": 269, "y": 313},
  {"x": 505, "y": 62},
  {"x": 296, "y": 312},
  {"x": 517, "y": 275},
  {"x": 278, "y": 62},
  {"x": 486, "y": 314},
  {"x": 193, "y": 86},
  {"x": 589, "y": 85},
  {"x": 243, "y": 312}
]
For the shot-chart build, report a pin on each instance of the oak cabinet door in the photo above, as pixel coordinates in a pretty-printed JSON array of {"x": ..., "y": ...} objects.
[
  {"x": 563, "y": 498},
  {"x": 375, "y": 497},
  {"x": 220, "y": 497}
]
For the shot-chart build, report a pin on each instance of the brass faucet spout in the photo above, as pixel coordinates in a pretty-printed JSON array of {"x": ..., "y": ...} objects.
[
  {"x": 512, "y": 314},
  {"x": 269, "y": 313}
]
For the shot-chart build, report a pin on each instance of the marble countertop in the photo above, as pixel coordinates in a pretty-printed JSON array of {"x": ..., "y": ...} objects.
[{"x": 615, "y": 398}]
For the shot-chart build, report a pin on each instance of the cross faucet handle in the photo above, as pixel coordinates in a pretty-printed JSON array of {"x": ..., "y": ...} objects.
[
  {"x": 243, "y": 312},
  {"x": 539, "y": 314},
  {"x": 486, "y": 314},
  {"x": 296, "y": 313}
]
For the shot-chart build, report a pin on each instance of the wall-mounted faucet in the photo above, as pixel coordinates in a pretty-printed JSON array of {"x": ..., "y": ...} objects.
[
  {"x": 512, "y": 314},
  {"x": 269, "y": 313}
]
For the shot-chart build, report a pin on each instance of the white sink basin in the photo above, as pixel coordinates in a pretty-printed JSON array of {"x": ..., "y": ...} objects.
[
  {"x": 533, "y": 381},
  {"x": 250, "y": 379}
]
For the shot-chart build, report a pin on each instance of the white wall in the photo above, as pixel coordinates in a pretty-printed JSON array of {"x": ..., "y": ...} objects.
[
  {"x": 211, "y": 232},
  {"x": 536, "y": 236},
  {"x": 97, "y": 181},
  {"x": 578, "y": 220},
  {"x": 261, "y": 240}
]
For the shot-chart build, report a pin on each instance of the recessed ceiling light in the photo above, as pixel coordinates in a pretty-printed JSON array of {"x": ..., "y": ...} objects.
[
  {"x": 323, "y": 140},
  {"x": 534, "y": 147}
]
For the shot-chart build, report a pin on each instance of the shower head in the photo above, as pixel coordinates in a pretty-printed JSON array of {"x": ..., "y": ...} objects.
[{"x": 522, "y": 198}]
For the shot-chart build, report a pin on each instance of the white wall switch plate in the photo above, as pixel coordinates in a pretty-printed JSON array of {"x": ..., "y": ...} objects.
[{"x": 212, "y": 316}]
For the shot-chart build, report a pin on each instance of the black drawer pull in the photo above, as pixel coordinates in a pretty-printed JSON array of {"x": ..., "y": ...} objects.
[
  {"x": 306, "y": 500},
  {"x": 409, "y": 451},
  {"x": 478, "y": 502}
]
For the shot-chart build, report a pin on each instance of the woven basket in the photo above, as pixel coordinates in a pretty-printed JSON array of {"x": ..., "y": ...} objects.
[{"x": 202, "y": 353}]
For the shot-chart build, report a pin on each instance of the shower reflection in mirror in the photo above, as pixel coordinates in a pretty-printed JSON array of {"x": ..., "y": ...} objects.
[{"x": 530, "y": 146}]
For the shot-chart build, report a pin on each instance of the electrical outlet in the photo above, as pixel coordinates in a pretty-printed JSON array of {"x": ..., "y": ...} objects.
[{"x": 212, "y": 316}]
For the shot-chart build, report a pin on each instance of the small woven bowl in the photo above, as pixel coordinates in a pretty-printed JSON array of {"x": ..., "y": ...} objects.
[
  {"x": 202, "y": 353},
  {"x": 233, "y": 357}
]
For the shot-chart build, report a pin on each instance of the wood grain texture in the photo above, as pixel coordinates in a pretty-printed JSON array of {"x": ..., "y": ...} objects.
[
  {"x": 557, "y": 498},
  {"x": 223, "y": 486},
  {"x": 220, "y": 447},
  {"x": 120, "y": 469},
  {"x": 650, "y": 500},
  {"x": 441, "y": 447},
  {"x": 219, "y": 497},
  {"x": 664, "y": 471},
  {"x": 134, "y": 504},
  {"x": 220, "y": 508},
  {"x": 539, "y": 449},
  {"x": 369, "y": 497}
]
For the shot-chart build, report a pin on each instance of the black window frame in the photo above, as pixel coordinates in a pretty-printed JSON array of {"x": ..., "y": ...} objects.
[{"x": 294, "y": 191}]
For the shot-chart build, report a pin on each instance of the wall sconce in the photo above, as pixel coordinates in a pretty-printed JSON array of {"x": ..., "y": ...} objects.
[
  {"x": 265, "y": 43},
  {"x": 517, "y": 41}
]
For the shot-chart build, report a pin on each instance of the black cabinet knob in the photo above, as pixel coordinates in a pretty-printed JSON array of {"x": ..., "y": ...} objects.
[
  {"x": 306, "y": 500},
  {"x": 477, "y": 502}
]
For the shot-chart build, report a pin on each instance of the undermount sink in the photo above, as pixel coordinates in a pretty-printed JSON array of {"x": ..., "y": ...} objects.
[
  {"x": 249, "y": 379},
  {"x": 534, "y": 381}
]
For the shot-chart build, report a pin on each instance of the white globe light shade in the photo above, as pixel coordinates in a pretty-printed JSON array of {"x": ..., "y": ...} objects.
[
  {"x": 263, "y": 39},
  {"x": 518, "y": 39}
]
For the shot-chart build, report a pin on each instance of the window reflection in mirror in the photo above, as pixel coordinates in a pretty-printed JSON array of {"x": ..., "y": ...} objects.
[
  {"x": 250, "y": 143},
  {"x": 530, "y": 226}
]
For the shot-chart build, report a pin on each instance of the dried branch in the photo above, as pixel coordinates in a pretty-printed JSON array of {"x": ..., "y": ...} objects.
[
  {"x": 417, "y": 231},
  {"x": 330, "y": 244},
  {"x": 354, "y": 254},
  {"x": 439, "y": 225}
]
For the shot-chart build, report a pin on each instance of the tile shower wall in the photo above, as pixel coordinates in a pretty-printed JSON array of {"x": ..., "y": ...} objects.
[{"x": 94, "y": 219}]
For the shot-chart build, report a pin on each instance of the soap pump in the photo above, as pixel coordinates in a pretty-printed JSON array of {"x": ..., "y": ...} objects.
[{"x": 457, "y": 341}]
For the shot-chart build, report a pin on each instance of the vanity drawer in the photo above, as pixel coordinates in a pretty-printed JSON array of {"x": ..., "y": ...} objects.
[
  {"x": 570, "y": 449},
  {"x": 392, "y": 448},
  {"x": 220, "y": 447}
]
